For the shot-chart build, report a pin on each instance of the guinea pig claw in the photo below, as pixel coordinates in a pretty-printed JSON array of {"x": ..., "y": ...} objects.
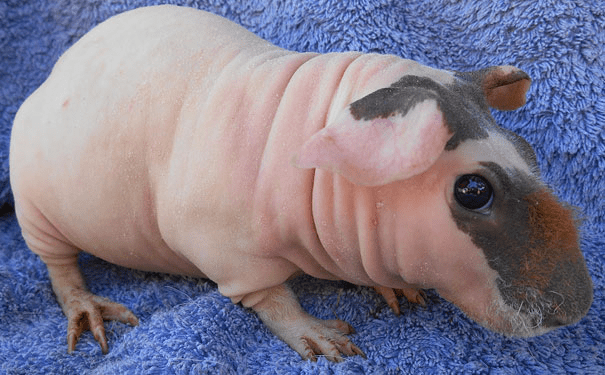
[
  {"x": 99, "y": 334},
  {"x": 357, "y": 351},
  {"x": 413, "y": 295},
  {"x": 72, "y": 338},
  {"x": 421, "y": 299},
  {"x": 389, "y": 296},
  {"x": 347, "y": 348}
]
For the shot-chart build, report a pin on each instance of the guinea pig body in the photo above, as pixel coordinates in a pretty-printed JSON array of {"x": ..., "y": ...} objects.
[{"x": 171, "y": 140}]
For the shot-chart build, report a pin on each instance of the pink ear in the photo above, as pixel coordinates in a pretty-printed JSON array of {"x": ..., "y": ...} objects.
[{"x": 381, "y": 150}]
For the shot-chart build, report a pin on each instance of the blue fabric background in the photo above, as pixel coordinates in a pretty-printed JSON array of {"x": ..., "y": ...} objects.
[{"x": 187, "y": 327}]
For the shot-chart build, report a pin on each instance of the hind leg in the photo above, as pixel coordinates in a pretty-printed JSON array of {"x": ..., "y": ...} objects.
[{"x": 84, "y": 310}]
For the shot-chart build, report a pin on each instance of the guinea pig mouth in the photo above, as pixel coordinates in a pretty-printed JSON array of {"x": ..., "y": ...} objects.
[
  {"x": 532, "y": 312},
  {"x": 528, "y": 316}
]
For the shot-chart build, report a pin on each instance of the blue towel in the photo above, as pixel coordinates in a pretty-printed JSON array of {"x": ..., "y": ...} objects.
[{"x": 187, "y": 327}]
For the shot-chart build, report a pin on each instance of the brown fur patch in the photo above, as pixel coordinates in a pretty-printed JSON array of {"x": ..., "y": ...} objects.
[{"x": 553, "y": 236}]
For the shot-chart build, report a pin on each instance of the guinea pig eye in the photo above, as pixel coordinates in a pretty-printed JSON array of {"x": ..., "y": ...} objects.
[{"x": 473, "y": 192}]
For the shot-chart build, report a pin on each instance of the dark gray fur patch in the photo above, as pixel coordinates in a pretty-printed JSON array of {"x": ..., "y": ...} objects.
[
  {"x": 504, "y": 233},
  {"x": 463, "y": 105},
  {"x": 473, "y": 89}
]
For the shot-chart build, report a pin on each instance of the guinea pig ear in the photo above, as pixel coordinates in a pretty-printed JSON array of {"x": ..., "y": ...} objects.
[
  {"x": 504, "y": 86},
  {"x": 379, "y": 150}
]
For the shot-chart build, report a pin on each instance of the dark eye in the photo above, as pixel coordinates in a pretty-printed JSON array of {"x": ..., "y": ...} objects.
[{"x": 473, "y": 192}]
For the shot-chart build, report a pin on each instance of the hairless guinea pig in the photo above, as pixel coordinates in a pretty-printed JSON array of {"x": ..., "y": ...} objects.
[{"x": 168, "y": 139}]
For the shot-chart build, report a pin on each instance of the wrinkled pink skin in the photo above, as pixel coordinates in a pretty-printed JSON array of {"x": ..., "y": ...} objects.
[{"x": 164, "y": 141}]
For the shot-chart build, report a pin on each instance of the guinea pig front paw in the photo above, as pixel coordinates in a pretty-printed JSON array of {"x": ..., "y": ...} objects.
[
  {"x": 325, "y": 338},
  {"x": 308, "y": 336},
  {"x": 313, "y": 338}
]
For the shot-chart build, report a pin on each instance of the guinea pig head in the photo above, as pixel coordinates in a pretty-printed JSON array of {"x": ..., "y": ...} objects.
[{"x": 504, "y": 250}]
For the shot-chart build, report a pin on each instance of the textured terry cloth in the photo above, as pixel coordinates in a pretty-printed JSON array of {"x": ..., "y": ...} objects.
[{"x": 187, "y": 327}]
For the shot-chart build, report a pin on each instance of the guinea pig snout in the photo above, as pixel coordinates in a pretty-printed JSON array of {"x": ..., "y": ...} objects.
[
  {"x": 563, "y": 301},
  {"x": 552, "y": 286},
  {"x": 541, "y": 281}
]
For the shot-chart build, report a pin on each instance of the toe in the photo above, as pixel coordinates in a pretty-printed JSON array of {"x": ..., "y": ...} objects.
[
  {"x": 389, "y": 296},
  {"x": 342, "y": 327},
  {"x": 324, "y": 347},
  {"x": 413, "y": 295},
  {"x": 114, "y": 311},
  {"x": 350, "y": 349}
]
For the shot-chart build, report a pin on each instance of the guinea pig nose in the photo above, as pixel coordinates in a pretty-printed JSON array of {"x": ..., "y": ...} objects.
[
  {"x": 473, "y": 192},
  {"x": 554, "y": 321}
]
